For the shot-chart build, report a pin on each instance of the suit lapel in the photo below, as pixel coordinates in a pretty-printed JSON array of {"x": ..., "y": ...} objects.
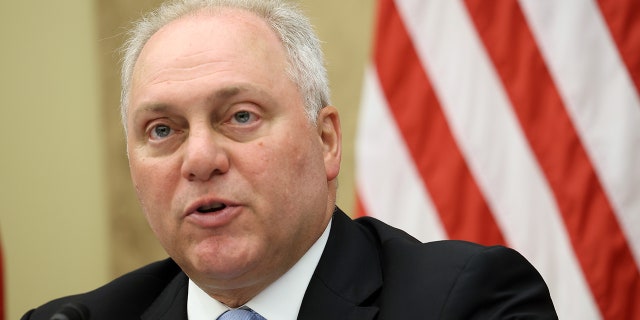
[
  {"x": 348, "y": 277},
  {"x": 171, "y": 304}
]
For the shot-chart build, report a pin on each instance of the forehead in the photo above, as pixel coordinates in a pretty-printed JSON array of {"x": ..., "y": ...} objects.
[{"x": 219, "y": 35}]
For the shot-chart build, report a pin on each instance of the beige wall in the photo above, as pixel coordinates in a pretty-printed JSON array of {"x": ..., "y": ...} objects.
[
  {"x": 346, "y": 28},
  {"x": 68, "y": 217},
  {"x": 52, "y": 205}
]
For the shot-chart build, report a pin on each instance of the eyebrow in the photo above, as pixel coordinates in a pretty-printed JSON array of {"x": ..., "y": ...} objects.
[
  {"x": 150, "y": 108},
  {"x": 216, "y": 96},
  {"x": 221, "y": 95},
  {"x": 226, "y": 93}
]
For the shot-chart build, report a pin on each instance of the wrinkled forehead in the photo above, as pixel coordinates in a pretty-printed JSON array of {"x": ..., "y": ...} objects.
[
  {"x": 230, "y": 42},
  {"x": 225, "y": 31}
]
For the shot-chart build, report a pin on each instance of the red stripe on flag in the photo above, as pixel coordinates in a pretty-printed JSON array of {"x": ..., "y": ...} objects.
[
  {"x": 361, "y": 210},
  {"x": 595, "y": 234},
  {"x": 622, "y": 17},
  {"x": 457, "y": 198}
]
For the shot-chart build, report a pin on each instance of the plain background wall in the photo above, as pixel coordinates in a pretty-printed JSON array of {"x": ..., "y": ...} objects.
[
  {"x": 63, "y": 219},
  {"x": 52, "y": 210}
]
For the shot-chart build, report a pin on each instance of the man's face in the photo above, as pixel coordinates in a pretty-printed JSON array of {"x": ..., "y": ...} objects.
[{"x": 234, "y": 180}]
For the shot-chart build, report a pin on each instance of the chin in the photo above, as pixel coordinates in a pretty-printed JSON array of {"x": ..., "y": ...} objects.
[{"x": 218, "y": 265}]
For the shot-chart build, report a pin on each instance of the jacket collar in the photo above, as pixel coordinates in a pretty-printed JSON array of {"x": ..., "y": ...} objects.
[
  {"x": 171, "y": 304},
  {"x": 348, "y": 277}
]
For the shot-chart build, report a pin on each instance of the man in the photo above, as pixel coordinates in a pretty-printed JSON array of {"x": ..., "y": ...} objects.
[{"x": 234, "y": 151}]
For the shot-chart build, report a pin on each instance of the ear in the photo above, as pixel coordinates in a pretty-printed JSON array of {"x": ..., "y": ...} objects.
[{"x": 331, "y": 136}]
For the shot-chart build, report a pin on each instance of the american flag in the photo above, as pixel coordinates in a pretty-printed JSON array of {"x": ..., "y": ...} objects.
[{"x": 517, "y": 123}]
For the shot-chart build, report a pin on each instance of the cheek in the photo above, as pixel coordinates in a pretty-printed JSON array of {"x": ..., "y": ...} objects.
[
  {"x": 289, "y": 166},
  {"x": 155, "y": 183},
  {"x": 155, "y": 193},
  {"x": 283, "y": 156}
]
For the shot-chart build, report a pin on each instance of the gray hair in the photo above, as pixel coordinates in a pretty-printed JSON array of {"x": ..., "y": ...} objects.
[{"x": 306, "y": 62}]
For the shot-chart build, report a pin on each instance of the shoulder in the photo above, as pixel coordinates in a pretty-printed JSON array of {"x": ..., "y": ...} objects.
[
  {"x": 398, "y": 248},
  {"x": 402, "y": 251},
  {"x": 457, "y": 279},
  {"x": 125, "y": 297}
]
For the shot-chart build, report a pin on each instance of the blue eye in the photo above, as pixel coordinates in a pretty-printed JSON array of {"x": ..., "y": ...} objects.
[
  {"x": 160, "y": 131},
  {"x": 242, "y": 116}
]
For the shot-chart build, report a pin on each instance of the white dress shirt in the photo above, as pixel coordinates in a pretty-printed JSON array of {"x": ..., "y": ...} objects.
[{"x": 279, "y": 301}]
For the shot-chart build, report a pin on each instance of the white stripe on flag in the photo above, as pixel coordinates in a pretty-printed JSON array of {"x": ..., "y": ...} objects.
[
  {"x": 599, "y": 95},
  {"x": 383, "y": 160}
]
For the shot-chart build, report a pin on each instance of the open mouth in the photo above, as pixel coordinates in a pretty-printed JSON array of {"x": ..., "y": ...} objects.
[{"x": 215, "y": 207}]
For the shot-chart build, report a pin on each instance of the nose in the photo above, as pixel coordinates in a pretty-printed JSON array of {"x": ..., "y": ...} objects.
[{"x": 204, "y": 156}]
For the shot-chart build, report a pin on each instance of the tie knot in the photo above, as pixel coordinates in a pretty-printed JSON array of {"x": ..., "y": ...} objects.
[{"x": 241, "y": 314}]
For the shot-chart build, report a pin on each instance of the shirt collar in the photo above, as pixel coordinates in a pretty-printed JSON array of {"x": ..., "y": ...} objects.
[{"x": 280, "y": 300}]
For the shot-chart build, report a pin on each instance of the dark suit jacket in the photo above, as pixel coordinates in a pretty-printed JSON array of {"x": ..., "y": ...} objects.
[{"x": 368, "y": 270}]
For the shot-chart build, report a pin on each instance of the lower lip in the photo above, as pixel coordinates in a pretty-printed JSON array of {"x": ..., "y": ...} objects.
[{"x": 214, "y": 219}]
